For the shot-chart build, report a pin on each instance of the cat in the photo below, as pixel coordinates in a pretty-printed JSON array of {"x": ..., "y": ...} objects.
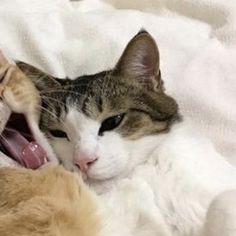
[
  {"x": 48, "y": 202},
  {"x": 18, "y": 95},
  {"x": 121, "y": 130}
]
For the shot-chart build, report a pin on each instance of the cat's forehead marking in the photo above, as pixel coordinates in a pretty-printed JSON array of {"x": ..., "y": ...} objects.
[
  {"x": 133, "y": 88},
  {"x": 109, "y": 95}
]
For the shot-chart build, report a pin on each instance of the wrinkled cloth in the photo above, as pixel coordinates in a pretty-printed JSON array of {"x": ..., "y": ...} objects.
[{"x": 196, "y": 39}]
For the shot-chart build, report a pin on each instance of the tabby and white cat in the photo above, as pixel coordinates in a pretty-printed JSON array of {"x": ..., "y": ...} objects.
[{"x": 115, "y": 127}]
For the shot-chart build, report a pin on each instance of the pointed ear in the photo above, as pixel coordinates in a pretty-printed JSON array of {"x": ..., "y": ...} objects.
[
  {"x": 42, "y": 80},
  {"x": 140, "y": 60}
]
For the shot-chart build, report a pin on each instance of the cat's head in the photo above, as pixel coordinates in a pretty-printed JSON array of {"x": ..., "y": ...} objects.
[{"x": 104, "y": 124}]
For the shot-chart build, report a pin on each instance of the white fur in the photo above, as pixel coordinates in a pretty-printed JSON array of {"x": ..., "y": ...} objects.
[
  {"x": 166, "y": 181},
  {"x": 83, "y": 133}
]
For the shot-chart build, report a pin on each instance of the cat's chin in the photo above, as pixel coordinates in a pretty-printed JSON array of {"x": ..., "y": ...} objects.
[
  {"x": 100, "y": 186},
  {"x": 98, "y": 183},
  {"x": 101, "y": 177}
]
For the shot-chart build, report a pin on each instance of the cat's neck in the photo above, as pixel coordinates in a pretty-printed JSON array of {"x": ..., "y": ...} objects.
[{"x": 142, "y": 150}]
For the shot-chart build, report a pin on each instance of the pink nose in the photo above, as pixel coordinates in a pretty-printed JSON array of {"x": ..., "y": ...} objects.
[{"x": 83, "y": 161}]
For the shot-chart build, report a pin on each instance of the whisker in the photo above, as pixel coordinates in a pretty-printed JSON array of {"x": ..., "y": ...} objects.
[
  {"x": 39, "y": 79},
  {"x": 51, "y": 114},
  {"x": 49, "y": 104},
  {"x": 53, "y": 99},
  {"x": 73, "y": 83},
  {"x": 61, "y": 91},
  {"x": 48, "y": 111}
]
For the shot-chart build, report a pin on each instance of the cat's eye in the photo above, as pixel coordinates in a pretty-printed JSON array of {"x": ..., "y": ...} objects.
[
  {"x": 110, "y": 123},
  {"x": 58, "y": 133}
]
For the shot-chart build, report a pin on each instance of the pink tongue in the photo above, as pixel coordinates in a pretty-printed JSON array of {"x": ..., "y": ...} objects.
[{"x": 28, "y": 154}]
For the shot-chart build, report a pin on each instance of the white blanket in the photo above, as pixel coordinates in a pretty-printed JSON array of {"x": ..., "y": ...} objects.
[{"x": 196, "y": 38}]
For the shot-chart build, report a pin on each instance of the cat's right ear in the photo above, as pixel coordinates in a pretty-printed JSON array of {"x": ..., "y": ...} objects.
[{"x": 41, "y": 80}]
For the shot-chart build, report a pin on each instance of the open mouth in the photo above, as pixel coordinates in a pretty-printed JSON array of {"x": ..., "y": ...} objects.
[{"x": 18, "y": 142}]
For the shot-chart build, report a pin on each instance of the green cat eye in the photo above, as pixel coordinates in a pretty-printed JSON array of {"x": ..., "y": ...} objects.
[{"x": 110, "y": 123}]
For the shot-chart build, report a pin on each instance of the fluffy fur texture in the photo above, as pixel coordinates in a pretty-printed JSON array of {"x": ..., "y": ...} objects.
[
  {"x": 50, "y": 202},
  {"x": 163, "y": 182}
]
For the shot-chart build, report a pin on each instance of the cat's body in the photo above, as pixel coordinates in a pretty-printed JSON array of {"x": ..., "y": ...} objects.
[
  {"x": 50, "y": 202},
  {"x": 184, "y": 174},
  {"x": 114, "y": 127}
]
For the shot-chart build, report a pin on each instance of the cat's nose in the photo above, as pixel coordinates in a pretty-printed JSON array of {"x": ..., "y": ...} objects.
[{"x": 83, "y": 160}]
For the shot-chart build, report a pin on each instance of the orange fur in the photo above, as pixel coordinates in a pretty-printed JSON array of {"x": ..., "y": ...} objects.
[
  {"x": 48, "y": 202},
  {"x": 17, "y": 89}
]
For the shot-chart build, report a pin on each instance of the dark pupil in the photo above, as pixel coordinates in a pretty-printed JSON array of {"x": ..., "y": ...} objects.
[
  {"x": 110, "y": 123},
  {"x": 58, "y": 133}
]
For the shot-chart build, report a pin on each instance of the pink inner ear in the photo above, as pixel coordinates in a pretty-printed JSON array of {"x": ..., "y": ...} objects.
[
  {"x": 150, "y": 65},
  {"x": 140, "y": 58}
]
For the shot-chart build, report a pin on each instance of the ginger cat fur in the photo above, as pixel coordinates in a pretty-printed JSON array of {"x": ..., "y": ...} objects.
[
  {"x": 16, "y": 88},
  {"x": 48, "y": 202}
]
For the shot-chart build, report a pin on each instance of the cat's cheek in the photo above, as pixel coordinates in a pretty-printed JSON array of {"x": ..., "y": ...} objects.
[
  {"x": 64, "y": 151},
  {"x": 108, "y": 169},
  {"x": 113, "y": 158}
]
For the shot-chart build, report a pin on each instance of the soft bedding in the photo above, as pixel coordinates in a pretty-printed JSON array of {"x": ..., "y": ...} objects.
[{"x": 197, "y": 42}]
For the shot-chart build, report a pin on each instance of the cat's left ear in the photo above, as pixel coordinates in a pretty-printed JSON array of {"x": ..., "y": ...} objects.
[
  {"x": 41, "y": 79},
  {"x": 141, "y": 60}
]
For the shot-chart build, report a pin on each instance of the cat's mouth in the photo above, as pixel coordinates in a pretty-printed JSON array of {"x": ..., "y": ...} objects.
[{"x": 18, "y": 142}]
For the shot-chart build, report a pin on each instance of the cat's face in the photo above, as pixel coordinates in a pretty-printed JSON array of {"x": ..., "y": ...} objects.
[{"x": 102, "y": 124}]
